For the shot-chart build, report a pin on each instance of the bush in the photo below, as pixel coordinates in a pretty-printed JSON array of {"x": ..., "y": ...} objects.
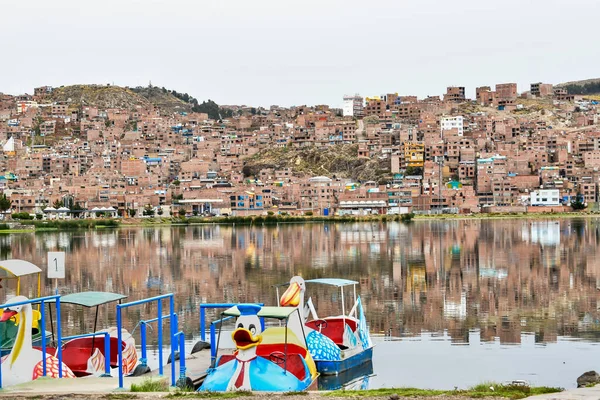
[
  {"x": 22, "y": 215},
  {"x": 4, "y": 227},
  {"x": 308, "y": 213},
  {"x": 39, "y": 216}
]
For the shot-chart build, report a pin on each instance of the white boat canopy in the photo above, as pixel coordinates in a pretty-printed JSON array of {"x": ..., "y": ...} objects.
[{"x": 333, "y": 282}]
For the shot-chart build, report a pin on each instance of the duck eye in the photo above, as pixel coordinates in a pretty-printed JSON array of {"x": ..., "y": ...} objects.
[
  {"x": 240, "y": 325},
  {"x": 252, "y": 329}
]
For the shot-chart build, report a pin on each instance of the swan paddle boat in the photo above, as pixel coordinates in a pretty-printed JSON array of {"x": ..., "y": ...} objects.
[
  {"x": 337, "y": 343},
  {"x": 273, "y": 360},
  {"x": 15, "y": 270},
  {"x": 87, "y": 355},
  {"x": 24, "y": 363}
]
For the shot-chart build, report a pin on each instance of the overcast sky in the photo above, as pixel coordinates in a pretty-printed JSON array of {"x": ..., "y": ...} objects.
[{"x": 297, "y": 52}]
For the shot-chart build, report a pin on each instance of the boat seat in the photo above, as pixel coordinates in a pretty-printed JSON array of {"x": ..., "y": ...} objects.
[
  {"x": 98, "y": 344},
  {"x": 335, "y": 328},
  {"x": 265, "y": 350}
]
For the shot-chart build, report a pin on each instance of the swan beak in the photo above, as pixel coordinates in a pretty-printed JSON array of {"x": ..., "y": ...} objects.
[
  {"x": 291, "y": 297},
  {"x": 244, "y": 339},
  {"x": 7, "y": 314}
]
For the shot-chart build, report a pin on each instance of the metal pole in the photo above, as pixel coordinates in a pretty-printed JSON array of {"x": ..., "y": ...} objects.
[
  {"x": 43, "y": 330},
  {"x": 58, "y": 337},
  {"x": 94, "y": 331},
  {"x": 173, "y": 326},
  {"x": 160, "y": 339},
  {"x": 51, "y": 323},
  {"x": 119, "y": 347},
  {"x": 144, "y": 359},
  {"x": 202, "y": 323},
  {"x": 107, "y": 354},
  {"x": 181, "y": 356},
  {"x": 285, "y": 346}
]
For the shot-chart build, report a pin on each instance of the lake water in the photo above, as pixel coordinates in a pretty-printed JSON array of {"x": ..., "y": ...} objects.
[{"x": 450, "y": 304}]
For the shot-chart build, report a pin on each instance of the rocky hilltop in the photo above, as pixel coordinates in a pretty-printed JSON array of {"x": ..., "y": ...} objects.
[
  {"x": 109, "y": 96},
  {"x": 340, "y": 161}
]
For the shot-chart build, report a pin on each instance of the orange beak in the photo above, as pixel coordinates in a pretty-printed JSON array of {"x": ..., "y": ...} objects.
[
  {"x": 291, "y": 297},
  {"x": 244, "y": 339},
  {"x": 6, "y": 315}
]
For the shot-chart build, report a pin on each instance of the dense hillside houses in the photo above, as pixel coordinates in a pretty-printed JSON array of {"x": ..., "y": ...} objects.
[{"x": 111, "y": 151}]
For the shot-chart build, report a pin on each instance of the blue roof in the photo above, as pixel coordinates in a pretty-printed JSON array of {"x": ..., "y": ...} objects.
[{"x": 332, "y": 281}]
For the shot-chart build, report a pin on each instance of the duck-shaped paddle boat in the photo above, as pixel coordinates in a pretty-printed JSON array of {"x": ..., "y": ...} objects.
[
  {"x": 273, "y": 360},
  {"x": 336, "y": 343},
  {"x": 24, "y": 363}
]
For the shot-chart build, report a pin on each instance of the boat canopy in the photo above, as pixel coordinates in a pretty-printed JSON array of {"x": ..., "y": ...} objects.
[
  {"x": 265, "y": 312},
  {"x": 90, "y": 299},
  {"x": 333, "y": 282},
  {"x": 17, "y": 268},
  {"x": 325, "y": 281}
]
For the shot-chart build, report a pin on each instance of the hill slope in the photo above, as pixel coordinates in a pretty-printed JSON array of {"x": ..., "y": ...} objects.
[
  {"x": 339, "y": 160},
  {"x": 98, "y": 95},
  {"x": 587, "y": 86}
]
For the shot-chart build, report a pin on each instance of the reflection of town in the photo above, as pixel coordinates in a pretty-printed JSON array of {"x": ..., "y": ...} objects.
[{"x": 503, "y": 278}]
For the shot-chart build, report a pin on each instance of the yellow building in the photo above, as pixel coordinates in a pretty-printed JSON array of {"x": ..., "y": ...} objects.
[{"x": 414, "y": 154}]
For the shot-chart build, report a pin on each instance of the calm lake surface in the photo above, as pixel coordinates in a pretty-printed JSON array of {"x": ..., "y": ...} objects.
[{"x": 450, "y": 303}]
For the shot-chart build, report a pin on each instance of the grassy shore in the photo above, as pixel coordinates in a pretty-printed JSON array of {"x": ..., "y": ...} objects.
[
  {"x": 61, "y": 225},
  {"x": 488, "y": 390}
]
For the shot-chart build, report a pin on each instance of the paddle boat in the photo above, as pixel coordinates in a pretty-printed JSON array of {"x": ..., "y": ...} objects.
[
  {"x": 273, "y": 360},
  {"x": 336, "y": 343},
  {"x": 14, "y": 270},
  {"x": 86, "y": 356},
  {"x": 24, "y": 362}
]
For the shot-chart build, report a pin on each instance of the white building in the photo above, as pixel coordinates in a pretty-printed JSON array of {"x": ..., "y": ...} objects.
[
  {"x": 545, "y": 197},
  {"x": 448, "y": 123},
  {"x": 353, "y": 106}
]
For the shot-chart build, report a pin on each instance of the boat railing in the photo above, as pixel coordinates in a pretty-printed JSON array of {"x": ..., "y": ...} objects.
[
  {"x": 160, "y": 318},
  {"x": 204, "y": 307},
  {"x": 213, "y": 339},
  {"x": 180, "y": 338},
  {"x": 41, "y": 301},
  {"x": 106, "y": 347},
  {"x": 143, "y": 334}
]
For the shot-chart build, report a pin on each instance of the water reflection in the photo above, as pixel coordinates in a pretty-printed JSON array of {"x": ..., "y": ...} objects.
[{"x": 501, "y": 279}]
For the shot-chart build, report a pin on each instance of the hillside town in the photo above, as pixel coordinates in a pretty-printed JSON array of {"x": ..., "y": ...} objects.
[{"x": 120, "y": 152}]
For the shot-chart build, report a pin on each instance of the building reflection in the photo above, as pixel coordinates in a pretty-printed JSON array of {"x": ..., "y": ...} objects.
[{"x": 501, "y": 278}]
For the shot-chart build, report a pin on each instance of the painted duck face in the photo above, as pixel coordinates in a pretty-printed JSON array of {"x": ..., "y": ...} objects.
[
  {"x": 291, "y": 297},
  {"x": 248, "y": 328},
  {"x": 11, "y": 311}
]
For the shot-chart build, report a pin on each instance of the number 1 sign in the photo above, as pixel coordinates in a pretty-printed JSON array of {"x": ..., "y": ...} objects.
[{"x": 56, "y": 264}]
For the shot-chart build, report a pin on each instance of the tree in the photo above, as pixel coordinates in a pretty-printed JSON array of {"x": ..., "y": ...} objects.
[
  {"x": 176, "y": 182},
  {"x": 182, "y": 213},
  {"x": 149, "y": 211},
  {"x": 131, "y": 212},
  {"x": 77, "y": 209},
  {"x": 57, "y": 204},
  {"x": 160, "y": 211},
  {"x": 4, "y": 204},
  {"x": 578, "y": 203}
]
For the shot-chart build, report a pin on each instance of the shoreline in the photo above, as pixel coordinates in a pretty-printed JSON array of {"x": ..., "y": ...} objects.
[
  {"x": 271, "y": 220},
  {"x": 489, "y": 390}
]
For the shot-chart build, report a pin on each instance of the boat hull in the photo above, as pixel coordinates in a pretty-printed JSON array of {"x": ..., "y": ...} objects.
[{"x": 336, "y": 367}]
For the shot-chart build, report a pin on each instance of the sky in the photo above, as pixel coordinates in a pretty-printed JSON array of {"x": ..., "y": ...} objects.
[{"x": 287, "y": 53}]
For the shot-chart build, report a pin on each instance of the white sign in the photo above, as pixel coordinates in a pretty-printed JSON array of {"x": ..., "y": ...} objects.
[{"x": 56, "y": 264}]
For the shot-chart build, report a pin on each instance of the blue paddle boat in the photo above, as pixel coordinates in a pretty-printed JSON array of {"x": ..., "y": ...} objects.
[
  {"x": 337, "y": 343},
  {"x": 273, "y": 360}
]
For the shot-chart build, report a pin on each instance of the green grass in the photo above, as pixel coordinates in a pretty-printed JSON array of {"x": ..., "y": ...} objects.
[
  {"x": 510, "y": 391},
  {"x": 209, "y": 395},
  {"x": 151, "y": 385},
  {"x": 119, "y": 396}
]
